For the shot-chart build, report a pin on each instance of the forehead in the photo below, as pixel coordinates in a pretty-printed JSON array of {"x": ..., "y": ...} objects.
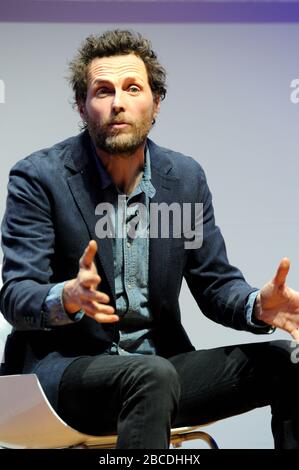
[{"x": 117, "y": 67}]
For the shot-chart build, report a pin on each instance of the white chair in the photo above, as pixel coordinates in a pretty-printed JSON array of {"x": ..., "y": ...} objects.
[
  {"x": 28, "y": 421},
  {"x": 5, "y": 329}
]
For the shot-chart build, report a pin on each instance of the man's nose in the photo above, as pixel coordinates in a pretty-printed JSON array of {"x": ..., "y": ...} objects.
[{"x": 118, "y": 101}]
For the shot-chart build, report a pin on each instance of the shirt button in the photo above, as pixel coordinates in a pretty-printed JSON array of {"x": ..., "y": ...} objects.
[{"x": 129, "y": 286}]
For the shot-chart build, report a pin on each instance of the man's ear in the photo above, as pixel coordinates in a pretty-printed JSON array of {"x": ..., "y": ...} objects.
[
  {"x": 157, "y": 102},
  {"x": 82, "y": 110}
]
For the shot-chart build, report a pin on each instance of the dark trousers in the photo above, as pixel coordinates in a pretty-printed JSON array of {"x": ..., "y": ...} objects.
[{"x": 142, "y": 397}]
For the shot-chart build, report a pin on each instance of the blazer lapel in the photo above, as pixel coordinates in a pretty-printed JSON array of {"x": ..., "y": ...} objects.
[
  {"x": 166, "y": 188},
  {"x": 86, "y": 191}
]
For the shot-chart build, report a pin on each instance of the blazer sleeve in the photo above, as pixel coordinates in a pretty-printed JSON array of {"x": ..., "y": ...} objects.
[
  {"x": 219, "y": 288},
  {"x": 28, "y": 247}
]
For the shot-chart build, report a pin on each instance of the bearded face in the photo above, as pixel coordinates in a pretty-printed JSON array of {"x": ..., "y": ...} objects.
[{"x": 120, "y": 108}]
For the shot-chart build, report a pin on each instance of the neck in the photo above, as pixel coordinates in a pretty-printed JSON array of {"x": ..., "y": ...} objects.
[{"x": 124, "y": 170}]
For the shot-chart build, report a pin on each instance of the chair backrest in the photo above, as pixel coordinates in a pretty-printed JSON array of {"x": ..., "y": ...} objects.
[
  {"x": 5, "y": 327},
  {"x": 27, "y": 420}
]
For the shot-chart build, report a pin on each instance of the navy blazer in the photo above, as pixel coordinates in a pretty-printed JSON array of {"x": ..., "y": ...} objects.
[{"x": 49, "y": 220}]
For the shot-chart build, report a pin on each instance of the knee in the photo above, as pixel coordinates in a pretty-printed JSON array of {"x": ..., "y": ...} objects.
[{"x": 159, "y": 373}]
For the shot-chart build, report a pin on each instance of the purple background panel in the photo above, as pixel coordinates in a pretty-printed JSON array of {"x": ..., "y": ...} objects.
[{"x": 88, "y": 11}]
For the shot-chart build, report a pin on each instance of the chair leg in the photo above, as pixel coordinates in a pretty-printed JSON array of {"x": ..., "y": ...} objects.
[{"x": 176, "y": 441}]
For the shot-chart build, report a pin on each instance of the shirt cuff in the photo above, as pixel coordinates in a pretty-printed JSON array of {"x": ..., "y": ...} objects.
[
  {"x": 53, "y": 309},
  {"x": 250, "y": 317}
]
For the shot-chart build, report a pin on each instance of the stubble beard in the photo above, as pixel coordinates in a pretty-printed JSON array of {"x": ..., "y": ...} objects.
[{"x": 118, "y": 142}]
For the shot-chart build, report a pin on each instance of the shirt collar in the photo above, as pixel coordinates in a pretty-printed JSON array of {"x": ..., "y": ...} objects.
[{"x": 145, "y": 184}]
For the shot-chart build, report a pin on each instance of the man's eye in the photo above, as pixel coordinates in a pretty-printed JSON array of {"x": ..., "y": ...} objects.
[
  {"x": 134, "y": 89},
  {"x": 103, "y": 91}
]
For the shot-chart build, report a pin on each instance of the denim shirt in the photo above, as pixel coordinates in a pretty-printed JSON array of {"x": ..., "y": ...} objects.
[{"x": 131, "y": 266}]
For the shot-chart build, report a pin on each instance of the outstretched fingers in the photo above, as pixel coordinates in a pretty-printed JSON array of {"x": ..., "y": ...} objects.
[
  {"x": 88, "y": 256},
  {"x": 281, "y": 273}
]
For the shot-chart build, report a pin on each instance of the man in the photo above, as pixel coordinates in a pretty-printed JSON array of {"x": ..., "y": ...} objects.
[{"x": 105, "y": 339}]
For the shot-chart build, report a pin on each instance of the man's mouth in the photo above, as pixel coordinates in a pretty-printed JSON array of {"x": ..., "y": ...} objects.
[{"x": 118, "y": 125}]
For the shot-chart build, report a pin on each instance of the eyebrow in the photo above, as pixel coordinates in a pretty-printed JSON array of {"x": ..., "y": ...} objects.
[
  {"x": 99, "y": 80},
  {"x": 106, "y": 80}
]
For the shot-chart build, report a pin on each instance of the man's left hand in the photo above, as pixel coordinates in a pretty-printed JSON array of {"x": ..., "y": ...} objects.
[{"x": 277, "y": 304}]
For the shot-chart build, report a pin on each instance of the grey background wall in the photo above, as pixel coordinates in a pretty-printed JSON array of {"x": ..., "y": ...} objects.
[{"x": 228, "y": 106}]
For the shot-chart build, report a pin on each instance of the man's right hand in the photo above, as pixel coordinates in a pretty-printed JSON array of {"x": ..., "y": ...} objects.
[{"x": 81, "y": 293}]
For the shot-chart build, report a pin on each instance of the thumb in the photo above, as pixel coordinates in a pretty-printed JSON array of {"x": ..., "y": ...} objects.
[
  {"x": 281, "y": 273},
  {"x": 89, "y": 254}
]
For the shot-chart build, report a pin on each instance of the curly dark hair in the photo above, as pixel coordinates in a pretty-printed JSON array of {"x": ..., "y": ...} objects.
[{"x": 110, "y": 43}]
